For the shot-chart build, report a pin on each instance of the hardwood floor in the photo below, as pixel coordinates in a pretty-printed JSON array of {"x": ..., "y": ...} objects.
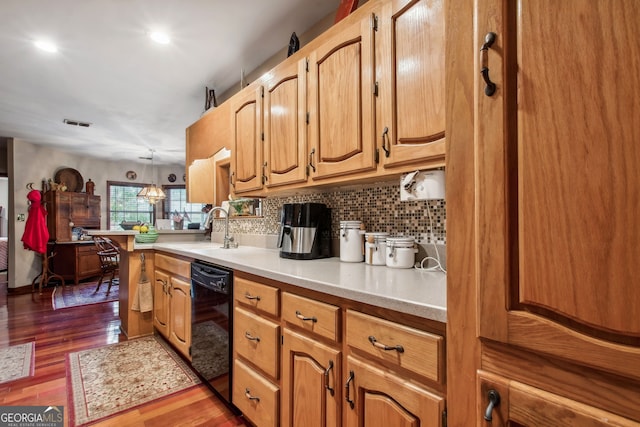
[{"x": 30, "y": 317}]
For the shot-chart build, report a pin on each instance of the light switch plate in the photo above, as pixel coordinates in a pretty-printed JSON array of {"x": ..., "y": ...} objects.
[{"x": 422, "y": 185}]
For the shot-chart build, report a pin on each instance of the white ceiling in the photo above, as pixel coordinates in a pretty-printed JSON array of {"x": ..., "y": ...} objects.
[{"x": 138, "y": 95}]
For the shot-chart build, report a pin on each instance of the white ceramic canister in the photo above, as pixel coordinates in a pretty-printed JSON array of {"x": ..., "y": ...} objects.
[
  {"x": 375, "y": 248},
  {"x": 401, "y": 252},
  {"x": 351, "y": 241}
]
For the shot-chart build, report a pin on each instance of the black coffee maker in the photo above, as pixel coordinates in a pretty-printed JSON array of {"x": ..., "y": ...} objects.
[{"x": 305, "y": 231}]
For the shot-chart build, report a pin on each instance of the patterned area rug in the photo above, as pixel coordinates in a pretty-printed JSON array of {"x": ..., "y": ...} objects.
[
  {"x": 109, "y": 380},
  {"x": 17, "y": 362},
  {"x": 83, "y": 294}
]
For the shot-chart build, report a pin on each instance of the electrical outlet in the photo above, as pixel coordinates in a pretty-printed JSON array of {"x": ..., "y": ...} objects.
[
  {"x": 422, "y": 185},
  {"x": 21, "y": 217}
]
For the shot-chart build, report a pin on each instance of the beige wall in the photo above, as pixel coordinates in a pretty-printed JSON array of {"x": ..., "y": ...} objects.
[{"x": 33, "y": 163}]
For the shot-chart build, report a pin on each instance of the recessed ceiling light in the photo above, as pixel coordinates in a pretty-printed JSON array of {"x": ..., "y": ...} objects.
[
  {"x": 159, "y": 37},
  {"x": 46, "y": 45}
]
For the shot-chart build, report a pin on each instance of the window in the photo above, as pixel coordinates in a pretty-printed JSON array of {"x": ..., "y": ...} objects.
[
  {"x": 176, "y": 202},
  {"x": 124, "y": 204}
]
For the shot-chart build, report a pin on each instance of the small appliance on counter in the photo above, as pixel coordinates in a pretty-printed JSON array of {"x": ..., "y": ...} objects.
[{"x": 305, "y": 231}]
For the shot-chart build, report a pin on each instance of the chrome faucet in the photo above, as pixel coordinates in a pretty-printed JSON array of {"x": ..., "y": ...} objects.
[{"x": 227, "y": 242}]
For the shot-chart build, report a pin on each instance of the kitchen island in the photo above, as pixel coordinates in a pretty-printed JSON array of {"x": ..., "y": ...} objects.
[{"x": 134, "y": 323}]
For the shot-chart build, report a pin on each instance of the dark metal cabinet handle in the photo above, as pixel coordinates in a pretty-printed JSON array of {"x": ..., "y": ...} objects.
[
  {"x": 251, "y": 297},
  {"x": 231, "y": 176},
  {"x": 305, "y": 318},
  {"x": 264, "y": 173},
  {"x": 385, "y": 140},
  {"x": 313, "y": 151},
  {"x": 490, "y": 87},
  {"x": 374, "y": 341},
  {"x": 494, "y": 400},
  {"x": 326, "y": 378},
  {"x": 346, "y": 386},
  {"x": 250, "y": 337},
  {"x": 247, "y": 393}
]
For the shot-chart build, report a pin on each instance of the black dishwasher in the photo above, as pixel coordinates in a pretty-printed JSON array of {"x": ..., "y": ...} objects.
[{"x": 211, "y": 326}]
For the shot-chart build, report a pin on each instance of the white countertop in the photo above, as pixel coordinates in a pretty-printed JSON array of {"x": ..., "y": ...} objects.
[{"x": 412, "y": 291}]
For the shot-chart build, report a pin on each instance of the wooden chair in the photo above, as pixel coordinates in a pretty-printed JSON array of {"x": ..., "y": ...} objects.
[{"x": 109, "y": 255}]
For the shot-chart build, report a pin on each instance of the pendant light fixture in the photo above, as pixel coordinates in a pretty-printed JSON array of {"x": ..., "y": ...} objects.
[{"x": 151, "y": 193}]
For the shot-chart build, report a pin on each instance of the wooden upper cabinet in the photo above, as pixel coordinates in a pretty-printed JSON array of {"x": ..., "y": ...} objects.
[
  {"x": 206, "y": 137},
  {"x": 209, "y": 134},
  {"x": 285, "y": 129},
  {"x": 341, "y": 113},
  {"x": 558, "y": 186},
  {"x": 247, "y": 135},
  {"x": 201, "y": 181},
  {"x": 410, "y": 78}
]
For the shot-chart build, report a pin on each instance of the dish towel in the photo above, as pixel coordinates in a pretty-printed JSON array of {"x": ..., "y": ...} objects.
[{"x": 143, "y": 298}]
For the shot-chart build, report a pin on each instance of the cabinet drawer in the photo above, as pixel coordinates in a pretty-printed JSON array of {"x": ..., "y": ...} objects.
[
  {"x": 313, "y": 316},
  {"x": 87, "y": 249},
  {"x": 176, "y": 266},
  {"x": 257, "y": 398},
  {"x": 261, "y": 297},
  {"x": 257, "y": 340},
  {"x": 421, "y": 352}
]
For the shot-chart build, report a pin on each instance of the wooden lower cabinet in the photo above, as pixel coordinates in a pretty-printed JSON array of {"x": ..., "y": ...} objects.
[
  {"x": 161, "y": 303},
  {"x": 257, "y": 340},
  {"x": 311, "y": 382},
  {"x": 180, "y": 310},
  {"x": 379, "y": 398},
  {"x": 172, "y": 301},
  {"x": 523, "y": 405},
  {"x": 257, "y": 397},
  {"x": 75, "y": 261},
  {"x": 296, "y": 350}
]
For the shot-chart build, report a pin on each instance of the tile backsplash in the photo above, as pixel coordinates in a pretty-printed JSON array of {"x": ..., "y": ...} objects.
[{"x": 378, "y": 206}]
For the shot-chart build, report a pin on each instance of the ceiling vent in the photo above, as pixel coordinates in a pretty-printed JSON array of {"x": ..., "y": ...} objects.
[{"x": 77, "y": 123}]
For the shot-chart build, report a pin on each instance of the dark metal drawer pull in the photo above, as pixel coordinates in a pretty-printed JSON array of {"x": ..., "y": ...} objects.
[
  {"x": 374, "y": 341},
  {"x": 249, "y": 296},
  {"x": 250, "y": 337},
  {"x": 300, "y": 316},
  {"x": 247, "y": 393}
]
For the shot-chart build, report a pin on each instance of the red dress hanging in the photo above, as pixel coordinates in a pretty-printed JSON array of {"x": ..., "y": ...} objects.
[{"x": 36, "y": 234}]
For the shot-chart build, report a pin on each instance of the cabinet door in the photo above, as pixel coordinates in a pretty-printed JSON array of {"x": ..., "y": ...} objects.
[
  {"x": 558, "y": 186},
  {"x": 59, "y": 215},
  {"x": 88, "y": 262},
  {"x": 341, "y": 113},
  {"x": 204, "y": 138},
  {"x": 311, "y": 384},
  {"x": 93, "y": 203},
  {"x": 285, "y": 128},
  {"x": 410, "y": 75},
  {"x": 161, "y": 303},
  {"x": 180, "y": 315},
  {"x": 525, "y": 406},
  {"x": 378, "y": 398},
  {"x": 200, "y": 180},
  {"x": 246, "y": 154}
]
